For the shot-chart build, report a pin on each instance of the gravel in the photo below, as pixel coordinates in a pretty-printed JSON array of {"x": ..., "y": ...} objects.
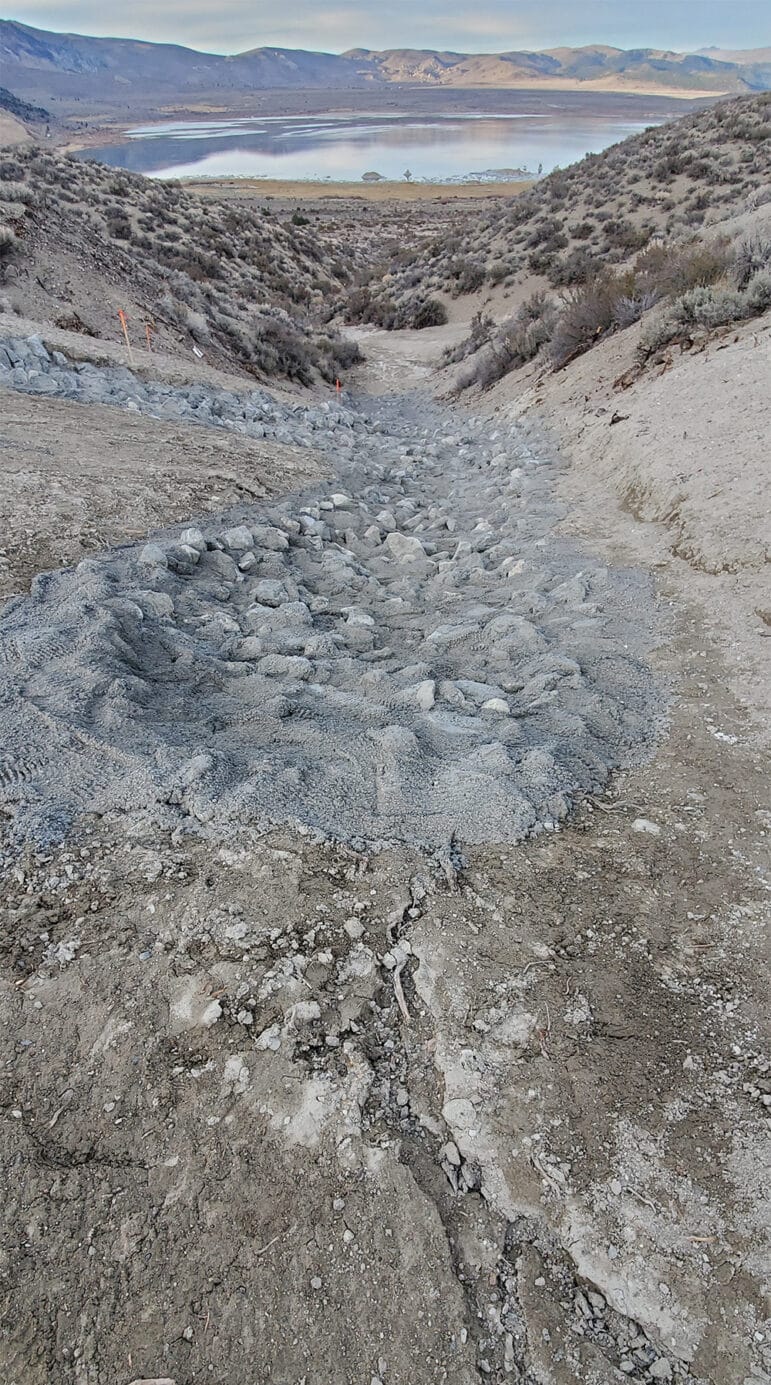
[{"x": 410, "y": 652}]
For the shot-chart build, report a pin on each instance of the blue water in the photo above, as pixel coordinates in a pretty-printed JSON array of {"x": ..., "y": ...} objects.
[{"x": 344, "y": 147}]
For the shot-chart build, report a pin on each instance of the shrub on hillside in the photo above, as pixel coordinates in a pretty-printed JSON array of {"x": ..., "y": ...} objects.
[
  {"x": 668, "y": 269},
  {"x": 466, "y": 277},
  {"x": 704, "y": 309},
  {"x": 752, "y": 255},
  {"x": 362, "y": 306},
  {"x": 8, "y": 243},
  {"x": 482, "y": 328},
  {"x": 587, "y": 314},
  {"x": 516, "y": 342},
  {"x": 430, "y": 313}
]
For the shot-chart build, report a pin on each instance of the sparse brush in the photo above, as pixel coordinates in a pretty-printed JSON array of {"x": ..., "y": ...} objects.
[
  {"x": 482, "y": 328},
  {"x": 515, "y": 342},
  {"x": 703, "y": 310},
  {"x": 752, "y": 255},
  {"x": 587, "y": 314}
]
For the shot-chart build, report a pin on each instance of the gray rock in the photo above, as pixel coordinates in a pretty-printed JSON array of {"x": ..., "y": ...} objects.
[
  {"x": 152, "y": 555},
  {"x": 238, "y": 540},
  {"x": 660, "y": 1369},
  {"x": 221, "y": 564},
  {"x": 269, "y": 592},
  {"x": 286, "y": 666},
  {"x": 194, "y": 538},
  {"x": 404, "y": 548}
]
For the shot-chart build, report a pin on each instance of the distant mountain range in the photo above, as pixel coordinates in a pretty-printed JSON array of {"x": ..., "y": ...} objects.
[{"x": 70, "y": 69}]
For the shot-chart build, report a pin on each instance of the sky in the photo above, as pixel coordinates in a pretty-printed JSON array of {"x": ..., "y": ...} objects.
[{"x": 230, "y": 26}]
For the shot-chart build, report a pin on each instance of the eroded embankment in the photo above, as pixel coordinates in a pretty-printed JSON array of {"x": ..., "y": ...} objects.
[{"x": 408, "y": 653}]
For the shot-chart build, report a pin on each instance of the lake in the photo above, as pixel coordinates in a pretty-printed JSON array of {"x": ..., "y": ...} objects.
[{"x": 455, "y": 147}]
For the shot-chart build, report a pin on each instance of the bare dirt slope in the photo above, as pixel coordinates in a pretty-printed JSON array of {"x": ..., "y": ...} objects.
[
  {"x": 681, "y": 447},
  {"x": 74, "y": 480},
  {"x": 279, "y": 1110}
]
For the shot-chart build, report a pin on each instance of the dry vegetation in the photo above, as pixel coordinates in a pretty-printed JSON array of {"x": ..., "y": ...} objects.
[
  {"x": 589, "y": 250},
  {"x": 602, "y": 244},
  {"x": 244, "y": 285}
]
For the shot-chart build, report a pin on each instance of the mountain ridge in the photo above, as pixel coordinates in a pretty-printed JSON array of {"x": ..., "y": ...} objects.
[{"x": 70, "y": 69}]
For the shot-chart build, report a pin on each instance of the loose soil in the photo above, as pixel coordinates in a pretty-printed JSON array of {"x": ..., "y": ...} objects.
[{"x": 278, "y": 1110}]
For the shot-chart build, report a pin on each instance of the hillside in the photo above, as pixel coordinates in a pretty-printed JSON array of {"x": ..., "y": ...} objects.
[
  {"x": 594, "y": 66},
  {"x": 599, "y": 217},
  {"x": 70, "y": 71},
  {"x": 81, "y": 242}
]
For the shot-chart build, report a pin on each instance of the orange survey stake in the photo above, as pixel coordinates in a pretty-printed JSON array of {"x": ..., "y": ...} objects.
[{"x": 124, "y": 325}]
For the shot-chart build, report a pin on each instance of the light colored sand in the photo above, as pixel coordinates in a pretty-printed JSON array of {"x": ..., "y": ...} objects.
[{"x": 260, "y": 188}]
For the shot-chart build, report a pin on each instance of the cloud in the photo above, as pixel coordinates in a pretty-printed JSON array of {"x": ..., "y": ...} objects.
[{"x": 234, "y": 25}]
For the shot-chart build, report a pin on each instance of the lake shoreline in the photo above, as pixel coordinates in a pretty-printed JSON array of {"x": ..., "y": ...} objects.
[{"x": 300, "y": 190}]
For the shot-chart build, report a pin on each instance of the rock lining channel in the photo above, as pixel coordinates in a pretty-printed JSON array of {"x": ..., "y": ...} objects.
[{"x": 408, "y": 653}]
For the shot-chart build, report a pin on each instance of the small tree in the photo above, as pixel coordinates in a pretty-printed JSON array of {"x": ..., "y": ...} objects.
[{"x": 407, "y": 175}]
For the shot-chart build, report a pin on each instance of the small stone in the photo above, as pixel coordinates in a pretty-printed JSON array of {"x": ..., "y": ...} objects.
[
  {"x": 270, "y": 592},
  {"x": 316, "y": 1283},
  {"x": 187, "y": 1333},
  {"x": 616, "y": 1187},
  {"x": 238, "y": 540},
  {"x": 496, "y": 704},
  {"x": 339, "y": 1204},
  {"x": 424, "y": 694},
  {"x": 194, "y": 539},
  {"x": 404, "y": 548},
  {"x": 152, "y": 555},
  {"x": 645, "y": 825},
  {"x": 450, "y": 1154},
  {"x": 270, "y": 1038},
  {"x": 540, "y": 1282},
  {"x": 347, "y": 1236},
  {"x": 660, "y": 1370}
]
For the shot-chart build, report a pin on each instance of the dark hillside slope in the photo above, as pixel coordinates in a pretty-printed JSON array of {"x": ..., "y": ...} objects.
[{"x": 75, "y": 66}]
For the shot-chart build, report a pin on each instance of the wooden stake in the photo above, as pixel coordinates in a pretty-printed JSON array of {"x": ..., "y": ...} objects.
[{"x": 124, "y": 325}]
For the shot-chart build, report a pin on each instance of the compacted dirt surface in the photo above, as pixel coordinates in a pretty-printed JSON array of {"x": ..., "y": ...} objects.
[{"x": 283, "y": 1105}]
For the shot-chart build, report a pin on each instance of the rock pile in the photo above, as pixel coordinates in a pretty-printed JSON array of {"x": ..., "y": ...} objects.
[{"x": 410, "y": 653}]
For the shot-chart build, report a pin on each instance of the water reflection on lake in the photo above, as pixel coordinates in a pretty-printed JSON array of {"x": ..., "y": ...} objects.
[{"x": 344, "y": 147}]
